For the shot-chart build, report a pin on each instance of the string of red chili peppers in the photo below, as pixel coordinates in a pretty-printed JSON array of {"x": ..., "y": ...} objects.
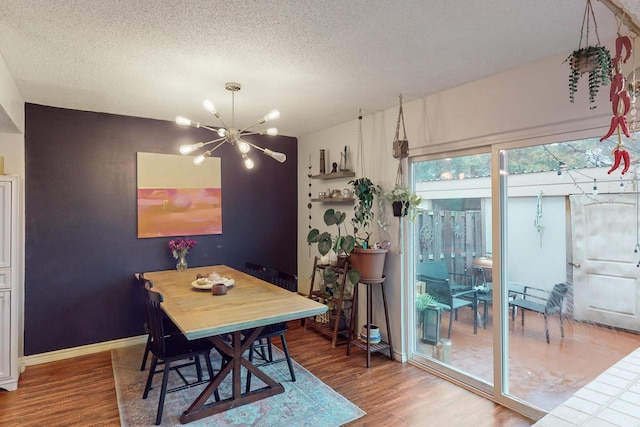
[{"x": 620, "y": 105}]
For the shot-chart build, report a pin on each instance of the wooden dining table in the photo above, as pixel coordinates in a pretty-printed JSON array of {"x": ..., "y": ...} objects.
[{"x": 232, "y": 322}]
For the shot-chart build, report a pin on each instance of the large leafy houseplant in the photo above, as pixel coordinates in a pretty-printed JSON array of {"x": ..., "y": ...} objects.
[
  {"x": 364, "y": 190},
  {"x": 341, "y": 244},
  {"x": 366, "y": 258}
]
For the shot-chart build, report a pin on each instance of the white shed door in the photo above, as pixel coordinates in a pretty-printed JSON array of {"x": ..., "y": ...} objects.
[{"x": 604, "y": 241}]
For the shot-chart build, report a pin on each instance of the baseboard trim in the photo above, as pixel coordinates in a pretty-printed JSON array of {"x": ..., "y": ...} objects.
[{"x": 53, "y": 356}]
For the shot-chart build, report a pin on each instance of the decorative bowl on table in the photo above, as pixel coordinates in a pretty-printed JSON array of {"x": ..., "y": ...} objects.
[
  {"x": 218, "y": 289},
  {"x": 206, "y": 283}
]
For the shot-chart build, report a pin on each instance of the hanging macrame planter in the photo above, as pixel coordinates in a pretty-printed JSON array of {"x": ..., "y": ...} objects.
[
  {"x": 400, "y": 151},
  {"x": 594, "y": 60}
]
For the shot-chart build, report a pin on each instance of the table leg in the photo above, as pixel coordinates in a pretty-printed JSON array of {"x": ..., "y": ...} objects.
[{"x": 233, "y": 352}]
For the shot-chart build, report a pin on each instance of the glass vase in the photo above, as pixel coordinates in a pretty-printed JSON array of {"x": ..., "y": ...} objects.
[{"x": 181, "y": 265}]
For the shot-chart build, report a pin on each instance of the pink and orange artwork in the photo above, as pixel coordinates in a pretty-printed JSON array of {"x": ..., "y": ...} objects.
[{"x": 177, "y": 198}]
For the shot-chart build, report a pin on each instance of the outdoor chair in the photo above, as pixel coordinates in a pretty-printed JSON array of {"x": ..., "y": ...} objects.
[
  {"x": 438, "y": 270},
  {"x": 169, "y": 327},
  {"x": 450, "y": 301},
  {"x": 540, "y": 301},
  {"x": 261, "y": 347},
  {"x": 170, "y": 349}
]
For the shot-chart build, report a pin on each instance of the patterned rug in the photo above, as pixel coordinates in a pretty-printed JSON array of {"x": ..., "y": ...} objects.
[{"x": 305, "y": 402}]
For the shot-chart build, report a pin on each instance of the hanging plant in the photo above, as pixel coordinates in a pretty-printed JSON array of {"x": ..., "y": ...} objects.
[{"x": 595, "y": 60}]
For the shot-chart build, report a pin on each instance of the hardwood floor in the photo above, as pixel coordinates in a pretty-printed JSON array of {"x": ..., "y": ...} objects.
[
  {"x": 73, "y": 392},
  {"x": 81, "y": 391}
]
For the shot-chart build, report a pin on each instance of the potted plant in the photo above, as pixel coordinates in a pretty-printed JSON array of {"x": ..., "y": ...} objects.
[
  {"x": 423, "y": 301},
  {"x": 404, "y": 201},
  {"x": 368, "y": 260},
  {"x": 364, "y": 191},
  {"x": 341, "y": 244},
  {"x": 428, "y": 313},
  {"x": 595, "y": 60}
]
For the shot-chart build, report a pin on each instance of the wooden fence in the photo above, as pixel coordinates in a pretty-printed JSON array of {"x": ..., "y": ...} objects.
[{"x": 451, "y": 236}]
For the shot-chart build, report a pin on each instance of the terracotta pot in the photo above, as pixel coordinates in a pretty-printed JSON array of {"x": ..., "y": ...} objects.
[{"x": 369, "y": 262}]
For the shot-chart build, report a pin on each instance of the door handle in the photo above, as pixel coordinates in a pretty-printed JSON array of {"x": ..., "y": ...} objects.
[{"x": 576, "y": 265}]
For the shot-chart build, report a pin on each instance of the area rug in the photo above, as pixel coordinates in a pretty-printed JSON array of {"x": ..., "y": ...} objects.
[{"x": 305, "y": 402}]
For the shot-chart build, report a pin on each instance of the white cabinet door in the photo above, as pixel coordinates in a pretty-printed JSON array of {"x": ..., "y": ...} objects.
[
  {"x": 5, "y": 224},
  {"x": 5, "y": 334}
]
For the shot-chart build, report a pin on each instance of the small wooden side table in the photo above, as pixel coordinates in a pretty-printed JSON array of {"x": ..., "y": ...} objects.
[{"x": 354, "y": 335}]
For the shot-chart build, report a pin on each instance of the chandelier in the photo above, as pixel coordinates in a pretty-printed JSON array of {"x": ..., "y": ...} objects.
[{"x": 231, "y": 135}]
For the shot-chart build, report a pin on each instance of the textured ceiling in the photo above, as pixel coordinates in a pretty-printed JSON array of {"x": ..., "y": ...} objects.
[{"x": 317, "y": 61}]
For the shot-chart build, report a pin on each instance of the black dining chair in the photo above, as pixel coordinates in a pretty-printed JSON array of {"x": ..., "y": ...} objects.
[
  {"x": 169, "y": 327},
  {"x": 261, "y": 347},
  {"x": 170, "y": 349},
  {"x": 255, "y": 270}
]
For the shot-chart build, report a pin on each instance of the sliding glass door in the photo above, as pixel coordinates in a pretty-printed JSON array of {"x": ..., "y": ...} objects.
[
  {"x": 452, "y": 294},
  {"x": 501, "y": 238}
]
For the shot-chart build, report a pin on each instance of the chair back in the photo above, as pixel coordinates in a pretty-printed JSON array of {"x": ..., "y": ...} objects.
[
  {"x": 556, "y": 299},
  {"x": 433, "y": 270},
  {"x": 255, "y": 270},
  {"x": 439, "y": 289},
  {"x": 283, "y": 280},
  {"x": 154, "y": 313}
]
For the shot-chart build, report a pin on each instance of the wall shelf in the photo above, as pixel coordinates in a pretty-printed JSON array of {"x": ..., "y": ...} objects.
[
  {"x": 334, "y": 200},
  {"x": 334, "y": 175}
]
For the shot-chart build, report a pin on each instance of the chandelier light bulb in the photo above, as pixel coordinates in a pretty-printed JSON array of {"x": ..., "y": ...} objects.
[
  {"x": 248, "y": 163},
  {"x": 208, "y": 105},
  {"x": 222, "y": 132},
  {"x": 198, "y": 160},
  {"x": 281, "y": 157},
  {"x": 272, "y": 115},
  {"x": 272, "y": 131},
  {"x": 190, "y": 148},
  {"x": 183, "y": 121},
  {"x": 244, "y": 147}
]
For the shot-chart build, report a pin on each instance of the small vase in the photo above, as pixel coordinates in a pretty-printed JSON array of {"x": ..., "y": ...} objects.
[{"x": 181, "y": 265}]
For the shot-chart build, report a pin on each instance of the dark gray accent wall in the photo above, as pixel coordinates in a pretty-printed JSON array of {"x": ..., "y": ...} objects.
[{"x": 81, "y": 220}]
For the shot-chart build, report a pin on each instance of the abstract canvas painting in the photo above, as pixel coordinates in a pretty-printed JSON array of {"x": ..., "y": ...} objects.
[{"x": 178, "y": 198}]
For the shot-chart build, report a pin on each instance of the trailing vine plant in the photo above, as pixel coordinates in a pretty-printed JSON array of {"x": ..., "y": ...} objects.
[
  {"x": 598, "y": 60},
  {"x": 595, "y": 60}
]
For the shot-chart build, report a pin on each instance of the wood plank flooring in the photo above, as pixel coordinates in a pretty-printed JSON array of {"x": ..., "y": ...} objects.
[
  {"x": 73, "y": 392},
  {"x": 81, "y": 391}
]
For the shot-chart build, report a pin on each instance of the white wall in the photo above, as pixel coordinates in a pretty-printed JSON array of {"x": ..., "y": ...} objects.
[
  {"x": 522, "y": 103},
  {"x": 11, "y": 123}
]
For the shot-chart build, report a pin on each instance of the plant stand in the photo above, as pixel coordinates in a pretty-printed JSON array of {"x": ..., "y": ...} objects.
[
  {"x": 323, "y": 325},
  {"x": 353, "y": 339}
]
